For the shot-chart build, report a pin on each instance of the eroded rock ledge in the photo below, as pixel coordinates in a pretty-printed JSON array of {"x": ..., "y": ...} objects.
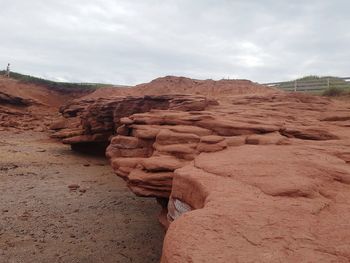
[
  {"x": 88, "y": 124},
  {"x": 257, "y": 178}
]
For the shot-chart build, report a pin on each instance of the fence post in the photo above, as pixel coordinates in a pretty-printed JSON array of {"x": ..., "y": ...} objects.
[
  {"x": 327, "y": 83},
  {"x": 295, "y": 85}
]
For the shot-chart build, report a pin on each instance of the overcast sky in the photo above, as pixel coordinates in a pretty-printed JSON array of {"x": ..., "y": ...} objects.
[{"x": 135, "y": 41}]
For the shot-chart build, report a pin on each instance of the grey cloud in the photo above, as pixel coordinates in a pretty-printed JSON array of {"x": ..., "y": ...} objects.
[{"x": 129, "y": 42}]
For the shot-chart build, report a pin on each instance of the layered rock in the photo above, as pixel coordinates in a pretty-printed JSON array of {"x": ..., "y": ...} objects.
[
  {"x": 256, "y": 178},
  {"x": 245, "y": 182},
  {"x": 26, "y": 106},
  {"x": 89, "y": 123},
  {"x": 260, "y": 204},
  {"x": 184, "y": 135},
  {"x": 172, "y": 85}
]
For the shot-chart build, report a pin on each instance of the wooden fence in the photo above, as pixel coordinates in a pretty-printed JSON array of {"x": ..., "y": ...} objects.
[{"x": 315, "y": 85}]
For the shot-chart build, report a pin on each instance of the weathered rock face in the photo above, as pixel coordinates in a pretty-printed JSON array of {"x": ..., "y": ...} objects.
[
  {"x": 14, "y": 111},
  {"x": 259, "y": 179},
  {"x": 25, "y": 106},
  {"x": 172, "y": 139},
  {"x": 14, "y": 100},
  {"x": 171, "y": 85},
  {"x": 255, "y": 178},
  {"x": 91, "y": 122},
  {"x": 245, "y": 208}
]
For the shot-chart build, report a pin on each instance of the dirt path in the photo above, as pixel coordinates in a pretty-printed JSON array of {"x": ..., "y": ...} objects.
[{"x": 42, "y": 220}]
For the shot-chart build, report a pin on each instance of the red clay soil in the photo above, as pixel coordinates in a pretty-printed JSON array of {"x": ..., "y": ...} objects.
[
  {"x": 57, "y": 205},
  {"x": 60, "y": 206},
  {"x": 257, "y": 177}
]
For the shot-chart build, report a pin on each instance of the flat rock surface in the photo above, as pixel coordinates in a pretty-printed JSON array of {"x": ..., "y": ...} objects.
[
  {"x": 59, "y": 206},
  {"x": 250, "y": 210}
]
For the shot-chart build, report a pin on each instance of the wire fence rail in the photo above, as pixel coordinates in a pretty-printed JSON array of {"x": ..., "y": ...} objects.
[{"x": 316, "y": 85}]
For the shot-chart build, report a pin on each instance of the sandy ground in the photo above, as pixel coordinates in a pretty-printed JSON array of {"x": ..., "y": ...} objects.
[{"x": 42, "y": 220}]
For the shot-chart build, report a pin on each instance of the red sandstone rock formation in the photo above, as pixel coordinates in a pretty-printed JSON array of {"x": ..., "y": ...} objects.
[
  {"x": 256, "y": 178},
  {"x": 90, "y": 123},
  {"x": 263, "y": 180},
  {"x": 180, "y": 85},
  {"x": 87, "y": 115},
  {"x": 25, "y": 106}
]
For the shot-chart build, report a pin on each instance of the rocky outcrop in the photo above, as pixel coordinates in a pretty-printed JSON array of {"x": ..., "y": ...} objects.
[
  {"x": 260, "y": 204},
  {"x": 255, "y": 178},
  {"x": 245, "y": 182},
  {"x": 173, "y": 139},
  {"x": 162, "y": 141},
  {"x": 89, "y": 123},
  {"x": 172, "y": 85},
  {"x": 14, "y": 100},
  {"x": 27, "y": 106}
]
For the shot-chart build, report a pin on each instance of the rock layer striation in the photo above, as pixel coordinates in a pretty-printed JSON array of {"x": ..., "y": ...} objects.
[{"x": 248, "y": 178}]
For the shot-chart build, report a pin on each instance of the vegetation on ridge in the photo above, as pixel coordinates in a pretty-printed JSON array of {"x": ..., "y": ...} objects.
[
  {"x": 322, "y": 85},
  {"x": 60, "y": 86}
]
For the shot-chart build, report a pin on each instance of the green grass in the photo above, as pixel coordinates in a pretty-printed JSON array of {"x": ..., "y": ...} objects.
[
  {"x": 332, "y": 79},
  {"x": 59, "y": 86},
  {"x": 333, "y": 92},
  {"x": 319, "y": 85}
]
